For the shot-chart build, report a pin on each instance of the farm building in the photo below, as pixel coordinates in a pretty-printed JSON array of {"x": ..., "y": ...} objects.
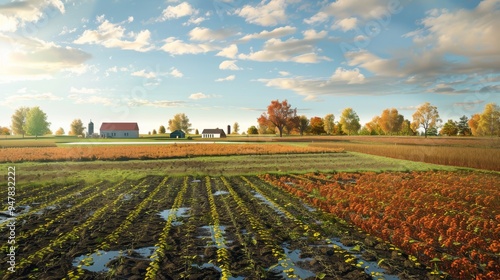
[
  {"x": 213, "y": 133},
  {"x": 178, "y": 134},
  {"x": 119, "y": 130}
]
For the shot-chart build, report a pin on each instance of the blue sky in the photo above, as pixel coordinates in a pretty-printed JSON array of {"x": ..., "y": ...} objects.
[{"x": 223, "y": 61}]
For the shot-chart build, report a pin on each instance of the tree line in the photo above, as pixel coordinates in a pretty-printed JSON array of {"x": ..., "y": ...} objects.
[{"x": 282, "y": 118}]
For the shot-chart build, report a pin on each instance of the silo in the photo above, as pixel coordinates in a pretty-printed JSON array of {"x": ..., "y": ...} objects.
[
  {"x": 228, "y": 129},
  {"x": 91, "y": 128}
]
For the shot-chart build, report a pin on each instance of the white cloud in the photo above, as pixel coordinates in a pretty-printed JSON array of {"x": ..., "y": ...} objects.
[
  {"x": 66, "y": 30},
  {"x": 229, "y": 65},
  {"x": 317, "y": 18},
  {"x": 136, "y": 102},
  {"x": 47, "y": 96},
  {"x": 198, "y": 95},
  {"x": 84, "y": 90},
  {"x": 194, "y": 20},
  {"x": 93, "y": 99},
  {"x": 297, "y": 50},
  {"x": 284, "y": 73},
  {"x": 174, "y": 72},
  {"x": 35, "y": 59},
  {"x": 345, "y": 24},
  {"x": 269, "y": 14},
  {"x": 113, "y": 35},
  {"x": 228, "y": 78},
  {"x": 206, "y": 34},
  {"x": 349, "y": 76},
  {"x": 229, "y": 52},
  {"x": 175, "y": 46},
  {"x": 143, "y": 74},
  {"x": 174, "y": 12},
  {"x": 14, "y": 15},
  {"x": 275, "y": 33}
]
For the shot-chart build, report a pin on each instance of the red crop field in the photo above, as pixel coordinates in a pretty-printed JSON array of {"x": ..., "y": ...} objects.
[
  {"x": 448, "y": 221},
  {"x": 86, "y": 153}
]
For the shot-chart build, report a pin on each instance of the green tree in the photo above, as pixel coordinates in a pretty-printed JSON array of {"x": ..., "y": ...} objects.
[
  {"x": 36, "y": 122},
  {"x": 463, "y": 126},
  {"x": 278, "y": 115},
  {"x": 329, "y": 124},
  {"x": 179, "y": 122},
  {"x": 316, "y": 126},
  {"x": 303, "y": 124},
  {"x": 19, "y": 121},
  {"x": 349, "y": 121},
  {"x": 406, "y": 128},
  {"x": 450, "y": 128},
  {"x": 154, "y": 132},
  {"x": 76, "y": 127},
  {"x": 60, "y": 131},
  {"x": 236, "y": 128},
  {"x": 252, "y": 130},
  {"x": 196, "y": 132},
  {"x": 489, "y": 123},
  {"x": 162, "y": 129},
  {"x": 427, "y": 117}
]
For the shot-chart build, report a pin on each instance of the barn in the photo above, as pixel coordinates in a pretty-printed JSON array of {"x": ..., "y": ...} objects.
[
  {"x": 178, "y": 134},
  {"x": 213, "y": 133},
  {"x": 119, "y": 130}
]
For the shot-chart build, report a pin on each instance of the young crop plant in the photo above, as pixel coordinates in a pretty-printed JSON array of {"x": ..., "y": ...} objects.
[{"x": 162, "y": 247}]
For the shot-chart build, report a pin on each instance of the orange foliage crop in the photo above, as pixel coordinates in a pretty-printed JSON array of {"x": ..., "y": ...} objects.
[
  {"x": 126, "y": 152},
  {"x": 450, "y": 216}
]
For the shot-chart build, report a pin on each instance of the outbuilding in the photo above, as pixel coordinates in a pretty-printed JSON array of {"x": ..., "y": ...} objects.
[
  {"x": 213, "y": 133},
  {"x": 178, "y": 134},
  {"x": 119, "y": 130}
]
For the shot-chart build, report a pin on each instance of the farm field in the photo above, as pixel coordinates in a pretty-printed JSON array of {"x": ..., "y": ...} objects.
[
  {"x": 185, "y": 227},
  {"x": 433, "y": 224}
]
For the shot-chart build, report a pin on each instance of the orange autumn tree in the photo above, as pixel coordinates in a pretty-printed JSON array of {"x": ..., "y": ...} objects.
[{"x": 279, "y": 115}]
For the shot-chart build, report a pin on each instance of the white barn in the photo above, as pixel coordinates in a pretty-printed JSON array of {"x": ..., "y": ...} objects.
[
  {"x": 213, "y": 133},
  {"x": 119, "y": 130}
]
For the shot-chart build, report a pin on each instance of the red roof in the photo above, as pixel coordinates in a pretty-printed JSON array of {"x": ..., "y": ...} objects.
[{"x": 119, "y": 126}]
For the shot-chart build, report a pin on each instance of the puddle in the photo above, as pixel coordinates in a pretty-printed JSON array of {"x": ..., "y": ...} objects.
[
  {"x": 220, "y": 193},
  {"x": 216, "y": 240},
  {"x": 179, "y": 213},
  {"x": 371, "y": 267},
  {"x": 292, "y": 257},
  {"x": 97, "y": 262},
  {"x": 268, "y": 203},
  {"x": 127, "y": 197}
]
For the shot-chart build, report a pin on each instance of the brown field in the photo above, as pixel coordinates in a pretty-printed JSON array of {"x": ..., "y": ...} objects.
[{"x": 86, "y": 153}]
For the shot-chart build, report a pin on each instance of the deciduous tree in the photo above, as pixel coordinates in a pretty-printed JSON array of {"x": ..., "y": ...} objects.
[
  {"x": 162, "y": 129},
  {"x": 76, "y": 127},
  {"x": 474, "y": 124},
  {"x": 19, "y": 121},
  {"x": 236, "y": 128},
  {"x": 278, "y": 115},
  {"x": 60, "y": 131},
  {"x": 154, "y": 131},
  {"x": 427, "y": 117},
  {"x": 179, "y": 122},
  {"x": 489, "y": 123},
  {"x": 373, "y": 126},
  {"x": 329, "y": 123},
  {"x": 406, "y": 128},
  {"x": 4, "y": 131},
  {"x": 390, "y": 121},
  {"x": 252, "y": 130},
  {"x": 450, "y": 128},
  {"x": 349, "y": 121},
  {"x": 303, "y": 124},
  {"x": 36, "y": 122},
  {"x": 317, "y": 126}
]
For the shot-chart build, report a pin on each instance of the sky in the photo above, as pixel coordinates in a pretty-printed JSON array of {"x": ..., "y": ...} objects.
[{"x": 224, "y": 61}]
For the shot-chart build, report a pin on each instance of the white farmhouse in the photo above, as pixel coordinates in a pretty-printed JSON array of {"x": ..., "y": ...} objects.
[
  {"x": 119, "y": 130},
  {"x": 213, "y": 133}
]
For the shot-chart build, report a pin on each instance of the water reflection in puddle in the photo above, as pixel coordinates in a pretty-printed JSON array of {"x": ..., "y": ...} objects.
[{"x": 97, "y": 262}]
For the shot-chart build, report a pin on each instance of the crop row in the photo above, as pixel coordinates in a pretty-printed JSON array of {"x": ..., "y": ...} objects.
[
  {"x": 448, "y": 221},
  {"x": 79, "y": 153}
]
